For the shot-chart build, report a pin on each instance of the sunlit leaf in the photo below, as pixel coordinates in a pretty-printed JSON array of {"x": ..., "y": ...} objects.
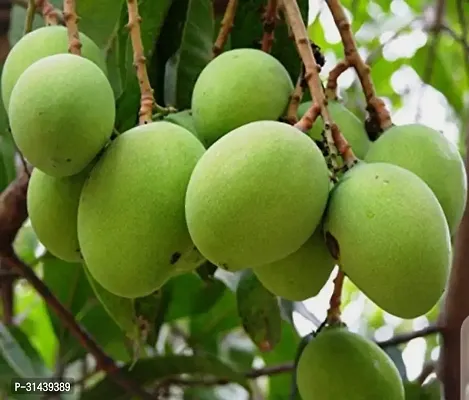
[{"x": 20, "y": 354}]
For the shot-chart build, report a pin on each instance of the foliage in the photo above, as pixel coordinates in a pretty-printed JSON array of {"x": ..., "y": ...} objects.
[{"x": 190, "y": 333}]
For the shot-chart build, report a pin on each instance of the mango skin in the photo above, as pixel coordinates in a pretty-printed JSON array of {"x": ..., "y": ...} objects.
[
  {"x": 53, "y": 208},
  {"x": 183, "y": 118},
  {"x": 38, "y": 44},
  {"x": 350, "y": 126},
  {"x": 431, "y": 156},
  {"x": 300, "y": 275},
  {"x": 256, "y": 195},
  {"x": 366, "y": 372},
  {"x": 131, "y": 225},
  {"x": 392, "y": 237},
  {"x": 238, "y": 87},
  {"x": 62, "y": 113}
]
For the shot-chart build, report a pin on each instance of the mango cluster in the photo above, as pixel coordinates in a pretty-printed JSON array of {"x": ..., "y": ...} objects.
[{"x": 228, "y": 181}]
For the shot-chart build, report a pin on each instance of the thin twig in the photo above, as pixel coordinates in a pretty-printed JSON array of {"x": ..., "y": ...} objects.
[
  {"x": 270, "y": 20},
  {"x": 295, "y": 99},
  {"x": 331, "y": 88},
  {"x": 31, "y": 10},
  {"x": 50, "y": 14},
  {"x": 307, "y": 120},
  {"x": 407, "y": 337},
  {"x": 71, "y": 21},
  {"x": 375, "y": 105},
  {"x": 225, "y": 27},
  {"x": 333, "y": 314},
  {"x": 313, "y": 80},
  {"x": 209, "y": 381},
  {"x": 103, "y": 361},
  {"x": 147, "y": 100},
  {"x": 427, "y": 370}
]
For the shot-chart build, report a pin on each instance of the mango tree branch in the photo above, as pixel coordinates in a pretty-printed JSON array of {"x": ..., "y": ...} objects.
[
  {"x": 313, "y": 80},
  {"x": 270, "y": 20},
  {"x": 334, "y": 74},
  {"x": 51, "y": 15},
  {"x": 225, "y": 28},
  {"x": 147, "y": 100},
  {"x": 375, "y": 105},
  {"x": 71, "y": 21}
]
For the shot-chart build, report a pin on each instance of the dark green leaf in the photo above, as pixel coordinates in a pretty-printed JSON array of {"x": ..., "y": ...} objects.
[
  {"x": 259, "y": 312},
  {"x": 248, "y": 31},
  {"x": 153, "y": 16},
  {"x": 120, "y": 309},
  {"x": 194, "y": 53},
  {"x": 190, "y": 295},
  {"x": 20, "y": 354},
  {"x": 7, "y": 158},
  {"x": 396, "y": 356},
  {"x": 98, "y": 19},
  {"x": 156, "y": 369}
]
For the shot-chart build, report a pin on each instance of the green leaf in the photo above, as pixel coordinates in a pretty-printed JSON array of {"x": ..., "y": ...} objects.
[
  {"x": 20, "y": 354},
  {"x": 78, "y": 297},
  {"x": 194, "y": 53},
  {"x": 153, "y": 15},
  {"x": 33, "y": 319},
  {"x": 152, "y": 370},
  {"x": 248, "y": 31},
  {"x": 98, "y": 19},
  {"x": 7, "y": 158},
  {"x": 25, "y": 244},
  {"x": 396, "y": 356},
  {"x": 279, "y": 385},
  {"x": 120, "y": 309},
  {"x": 191, "y": 296},
  {"x": 442, "y": 76},
  {"x": 259, "y": 311},
  {"x": 151, "y": 309}
]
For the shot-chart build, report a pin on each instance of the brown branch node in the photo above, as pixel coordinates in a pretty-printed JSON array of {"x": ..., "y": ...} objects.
[
  {"x": 71, "y": 21},
  {"x": 50, "y": 14},
  {"x": 307, "y": 120},
  {"x": 147, "y": 100},
  {"x": 225, "y": 27},
  {"x": 270, "y": 21},
  {"x": 352, "y": 57}
]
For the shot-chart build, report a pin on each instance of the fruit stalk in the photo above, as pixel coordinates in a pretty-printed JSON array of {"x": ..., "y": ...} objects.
[
  {"x": 295, "y": 99},
  {"x": 49, "y": 12},
  {"x": 270, "y": 20},
  {"x": 333, "y": 314},
  {"x": 71, "y": 21},
  {"x": 315, "y": 86},
  {"x": 375, "y": 105},
  {"x": 331, "y": 88},
  {"x": 225, "y": 28},
  {"x": 31, "y": 10},
  {"x": 307, "y": 120},
  {"x": 146, "y": 92}
]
